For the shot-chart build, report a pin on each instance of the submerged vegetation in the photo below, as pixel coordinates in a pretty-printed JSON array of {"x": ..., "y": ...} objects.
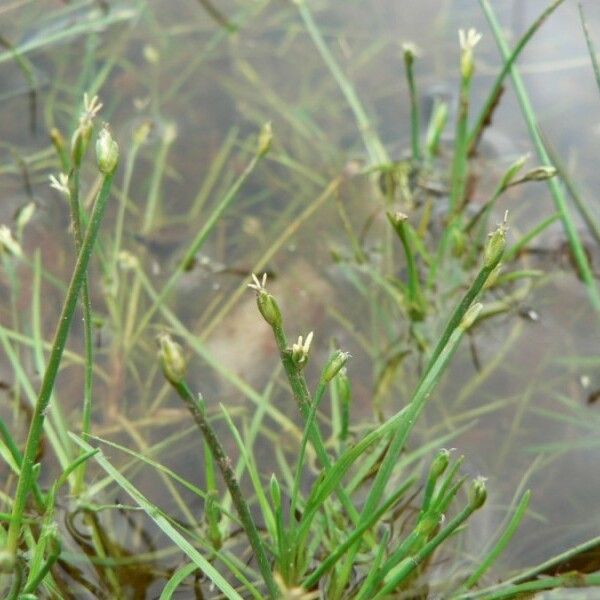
[{"x": 169, "y": 439}]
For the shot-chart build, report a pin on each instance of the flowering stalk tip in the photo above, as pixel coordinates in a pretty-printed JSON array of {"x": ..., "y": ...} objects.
[
  {"x": 468, "y": 40},
  {"x": 83, "y": 133},
  {"x": 267, "y": 305},
  {"x": 496, "y": 244},
  {"x": 60, "y": 183},
  {"x": 477, "y": 493},
  {"x": 336, "y": 363},
  {"x": 171, "y": 358},
  {"x": 107, "y": 152},
  {"x": 300, "y": 350},
  {"x": 265, "y": 138}
]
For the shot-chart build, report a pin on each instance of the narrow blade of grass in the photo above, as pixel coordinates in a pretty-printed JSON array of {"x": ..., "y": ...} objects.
[
  {"x": 162, "y": 523},
  {"x": 488, "y": 107},
  {"x": 560, "y": 202}
]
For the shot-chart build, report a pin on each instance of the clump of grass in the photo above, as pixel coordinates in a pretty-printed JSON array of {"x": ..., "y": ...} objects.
[
  {"x": 304, "y": 552},
  {"x": 347, "y": 513},
  {"x": 316, "y": 515},
  {"x": 107, "y": 154}
]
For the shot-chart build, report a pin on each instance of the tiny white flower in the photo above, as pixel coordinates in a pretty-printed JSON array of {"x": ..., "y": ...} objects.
[
  {"x": 60, "y": 183},
  {"x": 410, "y": 48},
  {"x": 300, "y": 349},
  {"x": 127, "y": 261},
  {"x": 258, "y": 285},
  {"x": 91, "y": 107},
  {"x": 8, "y": 243},
  {"x": 24, "y": 215},
  {"x": 468, "y": 39}
]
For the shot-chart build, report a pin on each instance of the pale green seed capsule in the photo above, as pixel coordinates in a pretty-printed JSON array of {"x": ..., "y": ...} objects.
[
  {"x": 440, "y": 463},
  {"x": 265, "y": 138},
  {"x": 337, "y": 361},
  {"x": 495, "y": 246},
  {"x": 468, "y": 40},
  {"x": 512, "y": 171},
  {"x": 539, "y": 174},
  {"x": 409, "y": 51},
  {"x": 107, "y": 152},
  {"x": 428, "y": 524},
  {"x": 275, "y": 491},
  {"x": 80, "y": 141},
  {"x": 493, "y": 277},
  {"x": 477, "y": 493},
  {"x": 471, "y": 316},
  {"x": 7, "y": 562},
  {"x": 171, "y": 358},
  {"x": 141, "y": 132},
  {"x": 267, "y": 305}
]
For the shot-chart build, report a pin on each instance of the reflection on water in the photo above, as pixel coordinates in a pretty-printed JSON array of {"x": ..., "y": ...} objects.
[{"x": 179, "y": 70}]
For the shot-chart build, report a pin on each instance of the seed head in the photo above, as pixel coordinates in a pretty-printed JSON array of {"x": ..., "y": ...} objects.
[
  {"x": 300, "y": 350},
  {"x": 8, "y": 244},
  {"x": 275, "y": 491},
  {"x": 7, "y": 561},
  {"x": 471, "y": 316},
  {"x": 265, "y": 138},
  {"x": 60, "y": 183},
  {"x": 439, "y": 463},
  {"x": 468, "y": 40},
  {"x": 496, "y": 244},
  {"x": 336, "y": 363},
  {"x": 83, "y": 133},
  {"x": 171, "y": 358},
  {"x": 267, "y": 305},
  {"x": 107, "y": 152},
  {"x": 477, "y": 493},
  {"x": 410, "y": 52}
]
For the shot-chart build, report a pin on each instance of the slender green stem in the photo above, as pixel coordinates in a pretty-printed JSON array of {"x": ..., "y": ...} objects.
[
  {"x": 60, "y": 338},
  {"x": 195, "y": 246},
  {"x": 558, "y": 196},
  {"x": 461, "y": 149},
  {"x": 409, "y": 61},
  {"x": 218, "y": 16},
  {"x": 519, "y": 245},
  {"x": 53, "y": 556},
  {"x": 416, "y": 300},
  {"x": 492, "y": 99},
  {"x": 461, "y": 309},
  {"x": 586, "y": 214},
  {"x": 339, "y": 551},
  {"x": 120, "y": 221},
  {"x": 410, "y": 564},
  {"x": 435, "y": 129},
  {"x": 437, "y": 362},
  {"x": 568, "y": 580},
  {"x": 15, "y": 588},
  {"x": 86, "y": 304},
  {"x": 152, "y": 205},
  {"x": 459, "y": 174},
  {"x": 563, "y": 557},
  {"x": 499, "y": 546},
  {"x": 224, "y": 463},
  {"x": 402, "y": 424},
  {"x": 302, "y": 396},
  {"x": 15, "y": 453},
  {"x": 302, "y": 452},
  {"x": 375, "y": 148},
  {"x": 590, "y": 45}
]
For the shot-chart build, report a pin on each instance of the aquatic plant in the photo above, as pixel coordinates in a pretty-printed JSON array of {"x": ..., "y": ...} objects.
[{"x": 268, "y": 502}]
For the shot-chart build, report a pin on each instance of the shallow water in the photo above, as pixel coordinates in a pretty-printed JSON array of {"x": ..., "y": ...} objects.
[{"x": 179, "y": 69}]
